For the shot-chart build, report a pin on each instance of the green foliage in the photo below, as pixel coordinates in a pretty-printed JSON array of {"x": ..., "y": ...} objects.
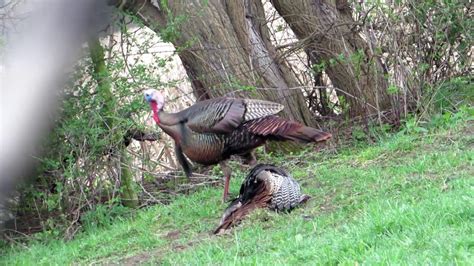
[
  {"x": 421, "y": 45},
  {"x": 320, "y": 67},
  {"x": 280, "y": 28},
  {"x": 358, "y": 134},
  {"x": 405, "y": 200},
  {"x": 357, "y": 59},
  {"x": 418, "y": 125},
  {"x": 171, "y": 32},
  {"x": 239, "y": 85},
  {"x": 343, "y": 104},
  {"x": 78, "y": 168},
  {"x": 103, "y": 216},
  {"x": 76, "y": 173},
  {"x": 453, "y": 93},
  {"x": 392, "y": 89},
  {"x": 242, "y": 86},
  {"x": 442, "y": 45}
]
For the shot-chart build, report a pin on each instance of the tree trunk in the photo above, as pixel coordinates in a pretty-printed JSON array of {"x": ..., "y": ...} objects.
[
  {"x": 128, "y": 195},
  {"x": 226, "y": 50},
  {"x": 326, "y": 28}
]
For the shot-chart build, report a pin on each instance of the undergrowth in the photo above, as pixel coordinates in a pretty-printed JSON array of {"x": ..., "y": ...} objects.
[{"x": 406, "y": 199}]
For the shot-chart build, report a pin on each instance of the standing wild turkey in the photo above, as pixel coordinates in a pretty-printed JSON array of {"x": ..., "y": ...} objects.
[
  {"x": 266, "y": 186},
  {"x": 210, "y": 131}
]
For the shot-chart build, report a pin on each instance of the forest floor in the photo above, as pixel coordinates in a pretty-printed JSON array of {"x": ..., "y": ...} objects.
[{"x": 406, "y": 199}]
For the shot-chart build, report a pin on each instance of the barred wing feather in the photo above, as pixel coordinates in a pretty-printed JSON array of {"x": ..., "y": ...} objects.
[{"x": 223, "y": 115}]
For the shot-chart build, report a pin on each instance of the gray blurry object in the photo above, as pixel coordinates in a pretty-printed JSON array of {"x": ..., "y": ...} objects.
[{"x": 45, "y": 43}]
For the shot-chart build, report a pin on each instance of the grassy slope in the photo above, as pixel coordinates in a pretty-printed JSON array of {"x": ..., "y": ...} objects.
[{"x": 406, "y": 199}]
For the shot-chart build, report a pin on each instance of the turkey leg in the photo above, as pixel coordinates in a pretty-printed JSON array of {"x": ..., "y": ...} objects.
[
  {"x": 249, "y": 158},
  {"x": 227, "y": 172}
]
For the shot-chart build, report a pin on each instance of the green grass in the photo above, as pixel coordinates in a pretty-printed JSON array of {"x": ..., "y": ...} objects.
[{"x": 408, "y": 199}]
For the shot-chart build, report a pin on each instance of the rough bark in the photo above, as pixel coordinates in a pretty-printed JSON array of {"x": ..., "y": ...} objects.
[
  {"x": 226, "y": 50},
  {"x": 326, "y": 28}
]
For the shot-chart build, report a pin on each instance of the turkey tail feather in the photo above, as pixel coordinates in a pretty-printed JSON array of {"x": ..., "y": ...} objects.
[
  {"x": 277, "y": 128},
  {"x": 238, "y": 210},
  {"x": 307, "y": 134}
]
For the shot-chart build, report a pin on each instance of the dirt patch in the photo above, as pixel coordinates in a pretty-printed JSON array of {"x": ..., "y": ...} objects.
[
  {"x": 174, "y": 245},
  {"x": 138, "y": 259}
]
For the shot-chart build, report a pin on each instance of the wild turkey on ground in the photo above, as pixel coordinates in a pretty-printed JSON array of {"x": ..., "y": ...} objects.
[
  {"x": 266, "y": 186},
  {"x": 210, "y": 131}
]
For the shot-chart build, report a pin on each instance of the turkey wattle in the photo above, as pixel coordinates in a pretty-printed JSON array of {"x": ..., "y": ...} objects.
[{"x": 210, "y": 131}]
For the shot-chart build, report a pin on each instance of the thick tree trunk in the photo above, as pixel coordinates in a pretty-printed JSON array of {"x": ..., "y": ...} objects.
[
  {"x": 325, "y": 27},
  {"x": 226, "y": 50}
]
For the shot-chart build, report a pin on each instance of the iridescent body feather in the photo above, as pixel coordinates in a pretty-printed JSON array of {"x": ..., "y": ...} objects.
[{"x": 210, "y": 131}]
